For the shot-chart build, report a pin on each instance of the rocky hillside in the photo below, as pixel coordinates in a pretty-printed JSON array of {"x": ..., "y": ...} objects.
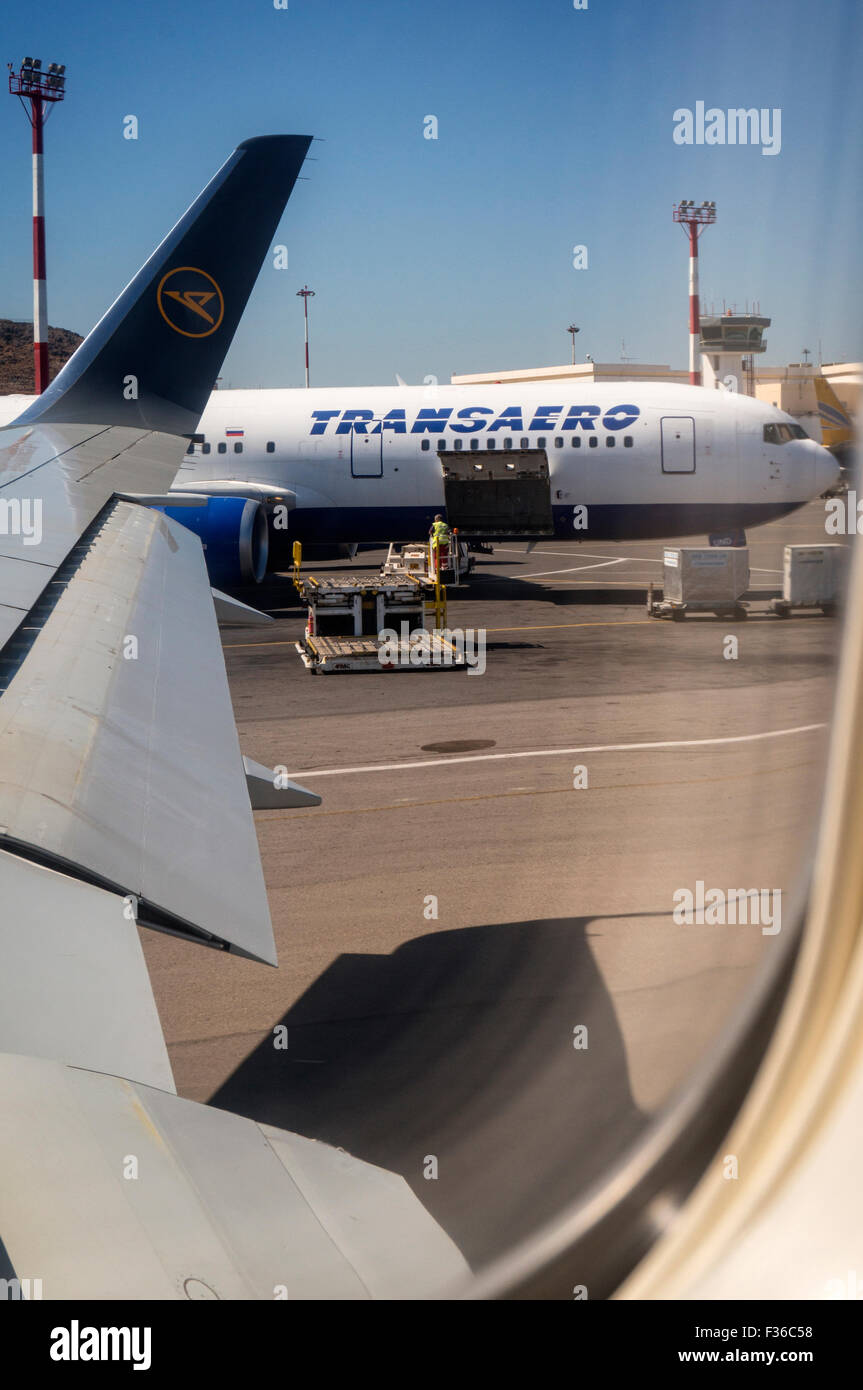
[{"x": 16, "y": 355}]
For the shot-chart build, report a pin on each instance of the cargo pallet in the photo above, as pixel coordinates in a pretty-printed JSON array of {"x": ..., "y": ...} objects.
[
  {"x": 385, "y": 620},
  {"x": 331, "y": 655}
]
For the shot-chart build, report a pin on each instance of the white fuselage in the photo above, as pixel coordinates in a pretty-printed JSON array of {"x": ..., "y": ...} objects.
[
  {"x": 643, "y": 459},
  {"x": 587, "y": 460}
]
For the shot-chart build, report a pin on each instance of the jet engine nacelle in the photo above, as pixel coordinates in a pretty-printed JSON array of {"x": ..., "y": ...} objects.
[{"x": 235, "y": 537}]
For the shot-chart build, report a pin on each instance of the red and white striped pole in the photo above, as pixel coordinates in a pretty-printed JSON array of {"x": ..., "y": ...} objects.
[
  {"x": 693, "y": 219},
  {"x": 40, "y": 298},
  {"x": 42, "y": 90},
  {"x": 694, "y": 309},
  {"x": 306, "y": 294},
  {"x": 306, "y": 317}
]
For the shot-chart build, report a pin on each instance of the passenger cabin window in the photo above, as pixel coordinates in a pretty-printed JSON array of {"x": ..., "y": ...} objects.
[
  {"x": 609, "y": 441},
  {"x": 205, "y": 448},
  {"x": 424, "y": 444},
  {"x": 271, "y": 446},
  {"x": 593, "y": 441},
  {"x": 540, "y": 443},
  {"x": 558, "y": 443},
  {"x": 474, "y": 443},
  {"x": 238, "y": 448},
  {"x": 441, "y": 443},
  {"x": 491, "y": 443},
  {"x": 525, "y": 443},
  {"x": 507, "y": 443},
  {"x": 458, "y": 443},
  {"x": 576, "y": 441},
  {"x": 222, "y": 448},
  {"x": 627, "y": 441}
]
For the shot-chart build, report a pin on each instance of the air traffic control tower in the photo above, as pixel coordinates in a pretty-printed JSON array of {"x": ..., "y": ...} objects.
[{"x": 729, "y": 343}]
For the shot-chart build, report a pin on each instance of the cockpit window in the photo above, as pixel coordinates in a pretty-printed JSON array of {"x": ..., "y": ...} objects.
[{"x": 780, "y": 434}]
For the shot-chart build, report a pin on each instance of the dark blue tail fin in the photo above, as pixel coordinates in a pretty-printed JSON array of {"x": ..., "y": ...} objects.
[{"x": 153, "y": 359}]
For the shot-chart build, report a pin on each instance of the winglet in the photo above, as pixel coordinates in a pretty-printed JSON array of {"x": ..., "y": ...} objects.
[{"x": 163, "y": 341}]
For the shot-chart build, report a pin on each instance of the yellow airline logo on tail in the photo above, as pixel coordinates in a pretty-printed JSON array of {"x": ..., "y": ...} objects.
[
  {"x": 194, "y": 300},
  {"x": 193, "y": 295},
  {"x": 836, "y": 425}
]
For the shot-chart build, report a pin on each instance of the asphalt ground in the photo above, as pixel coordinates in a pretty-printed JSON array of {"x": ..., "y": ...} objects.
[{"x": 478, "y": 963}]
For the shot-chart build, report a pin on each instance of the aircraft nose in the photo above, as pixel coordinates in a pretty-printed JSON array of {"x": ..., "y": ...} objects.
[{"x": 827, "y": 470}]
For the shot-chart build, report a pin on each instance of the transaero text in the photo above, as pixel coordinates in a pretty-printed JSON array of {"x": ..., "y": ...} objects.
[{"x": 472, "y": 418}]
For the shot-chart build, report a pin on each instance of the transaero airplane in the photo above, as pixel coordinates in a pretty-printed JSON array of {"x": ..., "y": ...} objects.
[{"x": 569, "y": 461}]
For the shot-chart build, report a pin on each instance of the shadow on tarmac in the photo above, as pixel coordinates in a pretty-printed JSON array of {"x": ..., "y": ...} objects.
[
  {"x": 490, "y": 588},
  {"x": 459, "y": 1045}
]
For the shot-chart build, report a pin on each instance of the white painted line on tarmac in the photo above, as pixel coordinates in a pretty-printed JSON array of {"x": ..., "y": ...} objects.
[
  {"x": 592, "y": 555},
  {"x": 563, "y": 752},
  {"x": 574, "y": 569},
  {"x": 589, "y": 554}
]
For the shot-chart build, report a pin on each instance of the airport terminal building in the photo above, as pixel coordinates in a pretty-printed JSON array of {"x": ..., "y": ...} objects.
[{"x": 731, "y": 344}]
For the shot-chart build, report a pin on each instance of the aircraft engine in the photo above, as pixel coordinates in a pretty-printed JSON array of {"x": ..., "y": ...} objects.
[{"x": 235, "y": 537}]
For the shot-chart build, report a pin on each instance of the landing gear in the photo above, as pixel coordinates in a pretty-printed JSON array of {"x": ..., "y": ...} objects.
[{"x": 735, "y": 538}]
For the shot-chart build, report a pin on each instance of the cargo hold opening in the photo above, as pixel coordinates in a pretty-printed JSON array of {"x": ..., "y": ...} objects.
[{"x": 498, "y": 493}]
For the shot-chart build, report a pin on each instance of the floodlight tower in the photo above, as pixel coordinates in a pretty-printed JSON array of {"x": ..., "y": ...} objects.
[
  {"x": 306, "y": 294},
  {"x": 39, "y": 88},
  {"x": 694, "y": 219}
]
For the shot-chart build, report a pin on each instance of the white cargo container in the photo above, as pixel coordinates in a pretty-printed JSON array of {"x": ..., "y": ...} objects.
[
  {"x": 709, "y": 579},
  {"x": 813, "y": 576}
]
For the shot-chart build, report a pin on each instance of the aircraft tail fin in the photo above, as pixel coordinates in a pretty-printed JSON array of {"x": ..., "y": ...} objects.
[
  {"x": 836, "y": 424},
  {"x": 153, "y": 358}
]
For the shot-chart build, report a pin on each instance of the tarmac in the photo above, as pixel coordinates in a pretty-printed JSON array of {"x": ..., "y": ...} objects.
[{"x": 482, "y": 981}]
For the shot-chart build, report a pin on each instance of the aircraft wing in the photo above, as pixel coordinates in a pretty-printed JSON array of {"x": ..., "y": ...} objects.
[
  {"x": 120, "y": 756},
  {"x": 143, "y": 1195},
  {"x": 125, "y": 800},
  {"x": 124, "y": 797}
]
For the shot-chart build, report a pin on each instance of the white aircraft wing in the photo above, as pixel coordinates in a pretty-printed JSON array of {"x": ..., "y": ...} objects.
[
  {"x": 119, "y": 751},
  {"x": 125, "y": 800},
  {"x": 123, "y": 793},
  {"x": 74, "y": 984},
  {"x": 143, "y": 1195}
]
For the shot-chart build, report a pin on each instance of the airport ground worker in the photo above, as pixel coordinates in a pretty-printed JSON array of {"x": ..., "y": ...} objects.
[{"x": 440, "y": 538}]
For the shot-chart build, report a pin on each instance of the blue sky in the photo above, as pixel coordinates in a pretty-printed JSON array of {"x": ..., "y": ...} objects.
[{"x": 455, "y": 254}]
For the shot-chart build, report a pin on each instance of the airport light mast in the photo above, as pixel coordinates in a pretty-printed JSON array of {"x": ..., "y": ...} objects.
[
  {"x": 694, "y": 219},
  {"x": 307, "y": 294},
  {"x": 40, "y": 88},
  {"x": 572, "y": 330}
]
